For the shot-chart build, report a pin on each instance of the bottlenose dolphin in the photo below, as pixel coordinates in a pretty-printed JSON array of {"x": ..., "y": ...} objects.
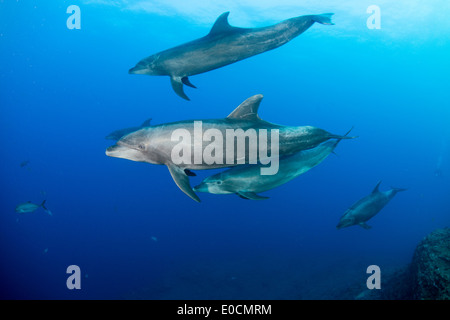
[
  {"x": 117, "y": 134},
  {"x": 27, "y": 207},
  {"x": 246, "y": 181},
  {"x": 367, "y": 208},
  {"x": 222, "y": 46},
  {"x": 156, "y": 144}
]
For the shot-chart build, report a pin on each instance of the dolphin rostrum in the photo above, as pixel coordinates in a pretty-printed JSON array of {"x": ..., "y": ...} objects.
[
  {"x": 246, "y": 181},
  {"x": 161, "y": 144},
  {"x": 117, "y": 134},
  {"x": 366, "y": 208},
  {"x": 223, "y": 45}
]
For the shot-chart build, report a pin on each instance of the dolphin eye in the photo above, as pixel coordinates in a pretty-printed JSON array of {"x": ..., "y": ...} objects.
[
  {"x": 219, "y": 182},
  {"x": 141, "y": 146}
]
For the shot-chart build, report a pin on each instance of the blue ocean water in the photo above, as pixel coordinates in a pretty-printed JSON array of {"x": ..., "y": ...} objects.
[{"x": 126, "y": 224}]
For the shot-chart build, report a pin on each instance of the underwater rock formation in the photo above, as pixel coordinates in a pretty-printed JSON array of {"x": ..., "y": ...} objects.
[
  {"x": 430, "y": 267},
  {"x": 426, "y": 277}
]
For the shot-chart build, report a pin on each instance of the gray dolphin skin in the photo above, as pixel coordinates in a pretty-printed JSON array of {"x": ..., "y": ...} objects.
[
  {"x": 366, "y": 208},
  {"x": 155, "y": 144},
  {"x": 246, "y": 181},
  {"x": 117, "y": 134},
  {"x": 223, "y": 45},
  {"x": 28, "y": 207}
]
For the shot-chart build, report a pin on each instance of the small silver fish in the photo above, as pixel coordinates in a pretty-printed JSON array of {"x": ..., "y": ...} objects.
[{"x": 31, "y": 207}]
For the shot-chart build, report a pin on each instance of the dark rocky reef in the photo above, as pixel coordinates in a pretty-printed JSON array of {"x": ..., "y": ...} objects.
[
  {"x": 427, "y": 277},
  {"x": 430, "y": 267}
]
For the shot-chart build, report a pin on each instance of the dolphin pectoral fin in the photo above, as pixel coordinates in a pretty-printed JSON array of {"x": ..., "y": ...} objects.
[
  {"x": 189, "y": 173},
  {"x": 182, "y": 181},
  {"x": 364, "y": 225},
  {"x": 177, "y": 86},
  {"x": 186, "y": 81},
  {"x": 251, "y": 196}
]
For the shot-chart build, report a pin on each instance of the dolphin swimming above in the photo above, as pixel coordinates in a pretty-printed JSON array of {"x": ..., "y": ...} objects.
[
  {"x": 117, "y": 134},
  {"x": 161, "y": 144},
  {"x": 223, "y": 45},
  {"x": 246, "y": 181},
  {"x": 366, "y": 208}
]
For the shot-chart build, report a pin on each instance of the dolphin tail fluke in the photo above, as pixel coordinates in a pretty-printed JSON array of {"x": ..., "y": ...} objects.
[
  {"x": 346, "y": 137},
  {"x": 177, "y": 85},
  {"x": 324, "y": 18},
  {"x": 398, "y": 189},
  {"x": 348, "y": 132},
  {"x": 339, "y": 138},
  {"x": 182, "y": 181},
  {"x": 45, "y": 208}
]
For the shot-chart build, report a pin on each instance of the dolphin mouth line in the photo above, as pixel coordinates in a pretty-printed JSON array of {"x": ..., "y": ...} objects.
[
  {"x": 126, "y": 145},
  {"x": 119, "y": 146}
]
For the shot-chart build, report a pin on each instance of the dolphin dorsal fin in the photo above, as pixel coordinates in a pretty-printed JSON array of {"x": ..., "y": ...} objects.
[
  {"x": 375, "y": 190},
  {"x": 146, "y": 123},
  {"x": 247, "y": 110},
  {"x": 221, "y": 25}
]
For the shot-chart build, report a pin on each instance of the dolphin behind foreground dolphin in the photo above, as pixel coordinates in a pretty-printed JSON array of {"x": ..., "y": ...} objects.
[
  {"x": 366, "y": 208},
  {"x": 117, "y": 134},
  {"x": 246, "y": 181},
  {"x": 223, "y": 45},
  {"x": 156, "y": 144}
]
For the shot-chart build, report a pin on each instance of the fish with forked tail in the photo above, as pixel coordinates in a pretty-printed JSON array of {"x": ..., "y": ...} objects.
[{"x": 28, "y": 207}]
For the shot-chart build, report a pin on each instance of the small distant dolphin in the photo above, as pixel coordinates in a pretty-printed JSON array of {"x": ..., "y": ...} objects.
[
  {"x": 366, "y": 208},
  {"x": 117, "y": 134},
  {"x": 27, "y": 207},
  {"x": 222, "y": 46},
  {"x": 155, "y": 144},
  {"x": 246, "y": 181}
]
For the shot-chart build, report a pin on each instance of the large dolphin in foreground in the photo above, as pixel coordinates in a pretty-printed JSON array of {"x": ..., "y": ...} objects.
[
  {"x": 366, "y": 208},
  {"x": 117, "y": 134},
  {"x": 156, "y": 144},
  {"x": 222, "y": 46},
  {"x": 246, "y": 181}
]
